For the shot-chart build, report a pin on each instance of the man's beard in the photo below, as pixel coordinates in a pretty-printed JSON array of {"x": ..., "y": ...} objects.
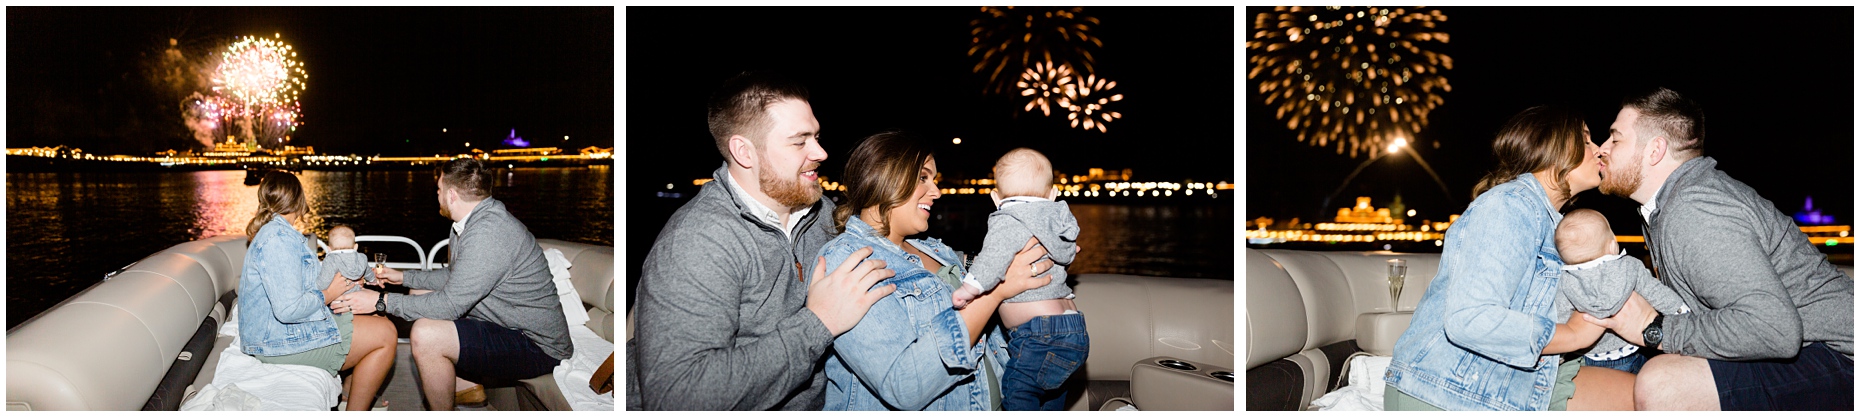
[
  {"x": 791, "y": 193},
  {"x": 1624, "y": 182}
]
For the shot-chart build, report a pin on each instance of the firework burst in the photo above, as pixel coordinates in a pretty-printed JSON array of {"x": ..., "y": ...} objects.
[
  {"x": 259, "y": 80},
  {"x": 1360, "y": 77},
  {"x": 1086, "y": 103},
  {"x": 1046, "y": 83},
  {"x": 1007, "y": 39}
]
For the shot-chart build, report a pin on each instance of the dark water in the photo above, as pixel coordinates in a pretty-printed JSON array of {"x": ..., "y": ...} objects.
[
  {"x": 65, "y": 230},
  {"x": 1187, "y": 240}
]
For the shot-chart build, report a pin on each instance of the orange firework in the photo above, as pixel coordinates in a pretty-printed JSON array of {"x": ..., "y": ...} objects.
[{"x": 1360, "y": 77}]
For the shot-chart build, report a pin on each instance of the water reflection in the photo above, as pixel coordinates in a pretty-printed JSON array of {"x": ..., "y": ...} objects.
[{"x": 65, "y": 230}]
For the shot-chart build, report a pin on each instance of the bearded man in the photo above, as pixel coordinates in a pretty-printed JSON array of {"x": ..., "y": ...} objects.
[
  {"x": 724, "y": 319},
  {"x": 1771, "y": 325}
]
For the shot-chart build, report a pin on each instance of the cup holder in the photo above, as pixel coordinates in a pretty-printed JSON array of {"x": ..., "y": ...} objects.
[
  {"x": 1223, "y": 375},
  {"x": 1175, "y": 364}
]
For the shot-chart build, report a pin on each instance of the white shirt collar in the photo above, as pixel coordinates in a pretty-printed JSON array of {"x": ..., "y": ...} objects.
[
  {"x": 768, "y": 215},
  {"x": 1596, "y": 262},
  {"x": 459, "y": 226},
  {"x": 1646, "y": 210},
  {"x": 338, "y": 251},
  {"x": 1019, "y": 199}
]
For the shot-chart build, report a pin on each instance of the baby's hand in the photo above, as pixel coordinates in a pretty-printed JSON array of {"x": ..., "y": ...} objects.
[{"x": 964, "y": 295}]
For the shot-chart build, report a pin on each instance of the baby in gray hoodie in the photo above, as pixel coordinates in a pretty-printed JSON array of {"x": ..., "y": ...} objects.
[
  {"x": 343, "y": 258},
  {"x": 1597, "y": 278},
  {"x": 1044, "y": 323}
]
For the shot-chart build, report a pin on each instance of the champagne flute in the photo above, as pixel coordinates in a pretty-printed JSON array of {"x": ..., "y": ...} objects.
[
  {"x": 380, "y": 264},
  {"x": 1398, "y": 273}
]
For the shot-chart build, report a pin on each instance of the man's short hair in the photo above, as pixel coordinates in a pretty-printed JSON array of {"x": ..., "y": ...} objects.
[
  {"x": 741, "y": 106},
  {"x": 469, "y": 175},
  {"x": 1665, "y": 113}
]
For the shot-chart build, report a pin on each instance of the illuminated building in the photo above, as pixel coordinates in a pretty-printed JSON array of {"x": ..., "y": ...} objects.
[{"x": 1361, "y": 223}]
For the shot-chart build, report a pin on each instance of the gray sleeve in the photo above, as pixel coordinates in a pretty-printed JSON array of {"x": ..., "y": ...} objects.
[
  {"x": 477, "y": 265},
  {"x": 688, "y": 312},
  {"x": 1599, "y": 291},
  {"x": 1661, "y": 296},
  {"x": 1560, "y": 305},
  {"x": 1746, "y": 313},
  {"x": 1005, "y": 238}
]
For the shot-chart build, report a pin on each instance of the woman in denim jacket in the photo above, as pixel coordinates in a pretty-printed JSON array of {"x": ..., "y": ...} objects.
[
  {"x": 284, "y": 313},
  {"x": 913, "y": 350},
  {"x": 1483, "y": 336}
]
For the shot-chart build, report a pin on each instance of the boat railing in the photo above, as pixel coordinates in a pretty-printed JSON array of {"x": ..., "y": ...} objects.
[
  {"x": 435, "y": 252},
  {"x": 424, "y": 264}
]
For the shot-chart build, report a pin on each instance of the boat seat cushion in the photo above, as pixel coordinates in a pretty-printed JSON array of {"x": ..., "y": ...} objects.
[{"x": 1308, "y": 311}]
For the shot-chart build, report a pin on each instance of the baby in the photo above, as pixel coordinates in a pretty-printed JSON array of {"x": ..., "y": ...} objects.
[
  {"x": 1041, "y": 321},
  {"x": 1597, "y": 278},
  {"x": 343, "y": 258}
]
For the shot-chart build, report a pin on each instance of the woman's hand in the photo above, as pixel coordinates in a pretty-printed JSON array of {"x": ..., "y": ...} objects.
[
  {"x": 337, "y": 285},
  {"x": 1025, "y": 273},
  {"x": 1577, "y": 334}
]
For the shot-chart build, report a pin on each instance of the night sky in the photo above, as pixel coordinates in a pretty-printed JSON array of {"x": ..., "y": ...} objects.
[
  {"x": 874, "y": 69},
  {"x": 1776, "y": 85},
  {"x": 381, "y": 80}
]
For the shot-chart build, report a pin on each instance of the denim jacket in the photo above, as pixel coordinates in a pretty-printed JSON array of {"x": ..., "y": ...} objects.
[
  {"x": 912, "y": 346},
  {"x": 281, "y": 308},
  {"x": 1477, "y": 338}
]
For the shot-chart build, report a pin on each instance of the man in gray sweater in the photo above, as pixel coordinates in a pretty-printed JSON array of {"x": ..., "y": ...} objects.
[
  {"x": 491, "y": 316},
  {"x": 723, "y": 317},
  {"x": 1771, "y": 325}
]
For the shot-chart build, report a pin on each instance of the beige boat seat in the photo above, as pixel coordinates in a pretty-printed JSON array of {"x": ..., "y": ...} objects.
[
  {"x": 593, "y": 275},
  {"x": 108, "y": 347},
  {"x": 1136, "y": 324},
  {"x": 1308, "y": 311}
]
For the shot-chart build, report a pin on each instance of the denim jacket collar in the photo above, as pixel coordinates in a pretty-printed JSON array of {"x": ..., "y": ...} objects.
[
  {"x": 930, "y": 246},
  {"x": 1539, "y": 195}
]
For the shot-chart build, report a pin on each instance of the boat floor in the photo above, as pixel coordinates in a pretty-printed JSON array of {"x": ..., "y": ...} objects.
[{"x": 402, "y": 390}]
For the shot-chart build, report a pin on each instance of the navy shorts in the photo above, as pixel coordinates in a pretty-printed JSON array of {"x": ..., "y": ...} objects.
[
  {"x": 497, "y": 356},
  {"x": 1818, "y": 378}
]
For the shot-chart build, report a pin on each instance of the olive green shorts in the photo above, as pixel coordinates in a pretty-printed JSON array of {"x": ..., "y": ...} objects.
[
  {"x": 1565, "y": 388},
  {"x": 328, "y": 358}
]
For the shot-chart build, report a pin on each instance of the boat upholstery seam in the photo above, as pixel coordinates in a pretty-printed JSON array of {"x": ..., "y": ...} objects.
[
  {"x": 145, "y": 327},
  {"x": 177, "y": 283}
]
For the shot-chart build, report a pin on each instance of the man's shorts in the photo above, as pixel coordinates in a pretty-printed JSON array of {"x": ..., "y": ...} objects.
[
  {"x": 1818, "y": 378},
  {"x": 497, "y": 356}
]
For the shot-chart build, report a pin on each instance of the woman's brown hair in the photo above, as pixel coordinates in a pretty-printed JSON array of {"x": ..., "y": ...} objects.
[
  {"x": 881, "y": 172},
  {"x": 1538, "y": 138},
  {"x": 279, "y": 193}
]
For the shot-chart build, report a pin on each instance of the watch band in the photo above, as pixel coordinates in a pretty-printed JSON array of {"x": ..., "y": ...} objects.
[{"x": 381, "y": 302}]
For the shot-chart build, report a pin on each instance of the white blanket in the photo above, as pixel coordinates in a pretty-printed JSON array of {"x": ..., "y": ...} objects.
[
  {"x": 1364, "y": 393},
  {"x": 572, "y": 375},
  {"x": 241, "y": 382}
]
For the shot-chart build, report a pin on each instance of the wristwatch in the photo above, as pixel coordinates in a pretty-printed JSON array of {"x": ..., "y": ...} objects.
[
  {"x": 1655, "y": 332},
  {"x": 381, "y": 303}
]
